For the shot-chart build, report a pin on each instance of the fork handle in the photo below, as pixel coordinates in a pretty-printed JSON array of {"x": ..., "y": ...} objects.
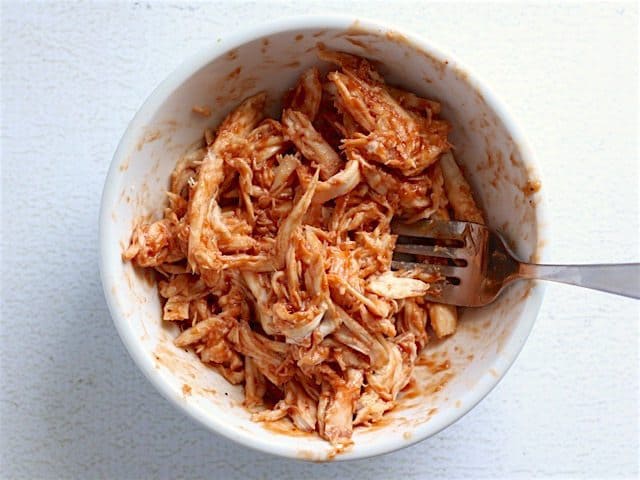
[{"x": 621, "y": 279}]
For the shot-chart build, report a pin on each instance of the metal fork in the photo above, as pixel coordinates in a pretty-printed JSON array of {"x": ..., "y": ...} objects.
[{"x": 475, "y": 264}]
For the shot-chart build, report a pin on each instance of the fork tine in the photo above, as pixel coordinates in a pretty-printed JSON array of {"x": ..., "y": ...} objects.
[
  {"x": 428, "y": 250},
  {"x": 431, "y": 229},
  {"x": 442, "y": 270},
  {"x": 467, "y": 285}
]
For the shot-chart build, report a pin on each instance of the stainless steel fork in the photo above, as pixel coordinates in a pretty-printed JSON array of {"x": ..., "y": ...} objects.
[{"x": 475, "y": 264}]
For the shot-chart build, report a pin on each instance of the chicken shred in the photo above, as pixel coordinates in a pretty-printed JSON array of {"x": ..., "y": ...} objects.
[{"x": 274, "y": 252}]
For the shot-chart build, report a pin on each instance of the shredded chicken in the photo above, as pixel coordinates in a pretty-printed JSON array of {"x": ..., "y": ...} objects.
[{"x": 274, "y": 251}]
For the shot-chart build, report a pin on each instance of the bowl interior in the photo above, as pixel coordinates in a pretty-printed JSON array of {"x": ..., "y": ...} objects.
[{"x": 495, "y": 162}]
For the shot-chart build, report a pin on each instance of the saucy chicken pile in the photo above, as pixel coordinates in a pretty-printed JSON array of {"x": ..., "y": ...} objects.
[{"x": 274, "y": 252}]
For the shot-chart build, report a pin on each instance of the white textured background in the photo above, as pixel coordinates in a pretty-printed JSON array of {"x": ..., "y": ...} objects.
[{"x": 73, "y": 405}]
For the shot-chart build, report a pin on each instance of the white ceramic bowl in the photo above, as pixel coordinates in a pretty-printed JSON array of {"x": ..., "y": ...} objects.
[{"x": 487, "y": 142}]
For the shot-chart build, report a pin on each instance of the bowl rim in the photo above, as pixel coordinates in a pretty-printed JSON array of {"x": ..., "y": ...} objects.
[{"x": 159, "y": 95}]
